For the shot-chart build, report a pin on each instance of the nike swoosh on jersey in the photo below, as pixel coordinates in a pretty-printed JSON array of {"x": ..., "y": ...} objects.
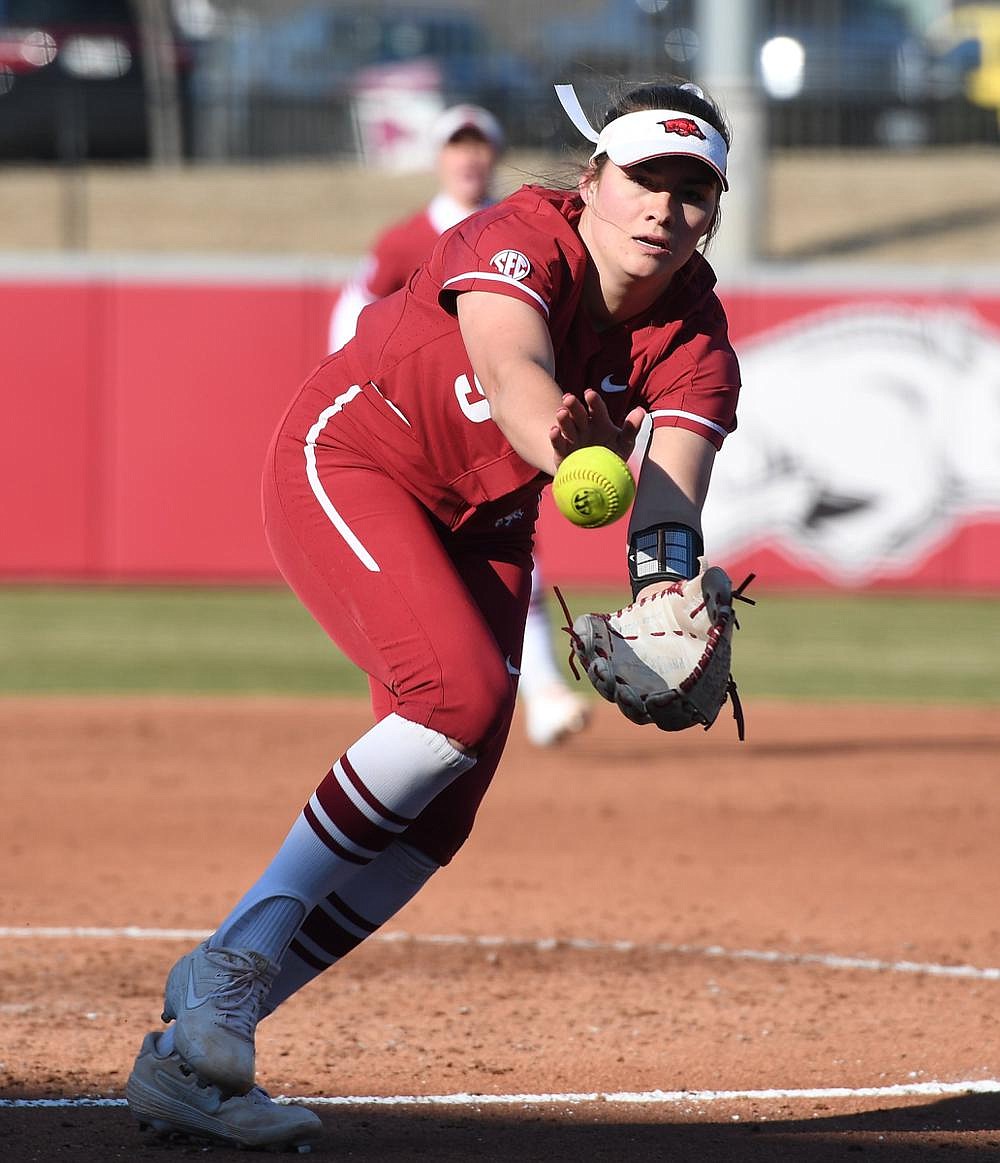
[
  {"x": 608, "y": 385},
  {"x": 511, "y": 668}
]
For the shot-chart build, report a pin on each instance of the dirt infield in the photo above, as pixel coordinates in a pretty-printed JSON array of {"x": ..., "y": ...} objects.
[{"x": 753, "y": 943}]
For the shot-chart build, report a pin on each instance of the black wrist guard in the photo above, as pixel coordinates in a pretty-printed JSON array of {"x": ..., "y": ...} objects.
[{"x": 666, "y": 553}]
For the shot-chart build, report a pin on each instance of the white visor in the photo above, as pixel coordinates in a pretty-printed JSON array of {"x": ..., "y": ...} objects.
[
  {"x": 651, "y": 133},
  {"x": 452, "y": 121}
]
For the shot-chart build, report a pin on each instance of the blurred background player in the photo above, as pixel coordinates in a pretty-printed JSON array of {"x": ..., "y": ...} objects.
[{"x": 468, "y": 141}]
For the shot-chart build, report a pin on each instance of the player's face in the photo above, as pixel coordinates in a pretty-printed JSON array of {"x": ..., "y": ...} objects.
[
  {"x": 648, "y": 220},
  {"x": 465, "y": 170}
]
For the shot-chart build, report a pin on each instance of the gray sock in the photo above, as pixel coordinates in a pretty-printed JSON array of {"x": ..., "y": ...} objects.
[{"x": 266, "y": 927}]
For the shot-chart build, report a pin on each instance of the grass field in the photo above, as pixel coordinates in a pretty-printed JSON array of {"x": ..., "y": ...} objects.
[{"x": 180, "y": 640}]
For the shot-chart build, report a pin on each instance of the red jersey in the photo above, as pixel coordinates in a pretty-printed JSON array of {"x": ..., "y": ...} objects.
[
  {"x": 397, "y": 253},
  {"x": 416, "y": 407}
]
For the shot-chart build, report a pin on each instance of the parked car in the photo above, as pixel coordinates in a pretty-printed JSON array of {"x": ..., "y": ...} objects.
[
  {"x": 848, "y": 72},
  {"x": 967, "y": 35},
  {"x": 831, "y": 72},
  {"x": 284, "y": 86},
  {"x": 72, "y": 79}
]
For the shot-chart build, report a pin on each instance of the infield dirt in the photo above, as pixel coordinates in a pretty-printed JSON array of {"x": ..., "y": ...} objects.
[{"x": 833, "y": 832}]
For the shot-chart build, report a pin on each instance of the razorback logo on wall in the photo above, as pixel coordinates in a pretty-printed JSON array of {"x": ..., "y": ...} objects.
[{"x": 890, "y": 452}]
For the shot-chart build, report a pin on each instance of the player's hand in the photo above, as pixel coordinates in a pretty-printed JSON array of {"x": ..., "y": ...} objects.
[{"x": 581, "y": 423}]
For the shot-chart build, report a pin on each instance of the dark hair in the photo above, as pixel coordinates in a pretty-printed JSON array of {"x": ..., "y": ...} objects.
[
  {"x": 470, "y": 133},
  {"x": 669, "y": 96},
  {"x": 672, "y": 96}
]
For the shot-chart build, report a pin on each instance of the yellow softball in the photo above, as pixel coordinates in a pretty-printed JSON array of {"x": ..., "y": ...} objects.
[{"x": 593, "y": 486}]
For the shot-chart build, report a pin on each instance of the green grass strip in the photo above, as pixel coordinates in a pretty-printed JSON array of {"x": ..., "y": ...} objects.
[{"x": 190, "y": 640}]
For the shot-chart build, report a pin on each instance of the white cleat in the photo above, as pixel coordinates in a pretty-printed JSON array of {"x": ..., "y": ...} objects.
[
  {"x": 553, "y": 714},
  {"x": 165, "y": 1094},
  {"x": 215, "y": 995}
]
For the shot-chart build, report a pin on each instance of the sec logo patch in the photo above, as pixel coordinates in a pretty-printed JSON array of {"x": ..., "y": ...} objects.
[{"x": 511, "y": 263}]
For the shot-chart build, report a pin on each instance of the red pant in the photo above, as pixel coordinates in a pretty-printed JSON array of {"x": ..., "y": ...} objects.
[{"x": 437, "y": 625}]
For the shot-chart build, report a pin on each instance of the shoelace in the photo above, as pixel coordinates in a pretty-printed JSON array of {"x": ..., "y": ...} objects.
[{"x": 239, "y": 996}]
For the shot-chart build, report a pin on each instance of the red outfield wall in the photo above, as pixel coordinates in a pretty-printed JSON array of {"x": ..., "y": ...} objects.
[{"x": 137, "y": 409}]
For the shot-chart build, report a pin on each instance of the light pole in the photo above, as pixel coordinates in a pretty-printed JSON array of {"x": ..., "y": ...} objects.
[{"x": 729, "y": 34}]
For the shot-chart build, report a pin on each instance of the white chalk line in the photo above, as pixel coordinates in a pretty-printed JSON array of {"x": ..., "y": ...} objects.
[
  {"x": 645, "y": 1097},
  {"x": 548, "y": 945},
  {"x": 652, "y": 1097}
]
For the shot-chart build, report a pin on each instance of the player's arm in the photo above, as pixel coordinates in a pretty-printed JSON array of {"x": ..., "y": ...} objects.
[
  {"x": 381, "y": 272},
  {"x": 665, "y": 524},
  {"x": 510, "y": 350},
  {"x": 351, "y": 301},
  {"x": 666, "y": 658}
]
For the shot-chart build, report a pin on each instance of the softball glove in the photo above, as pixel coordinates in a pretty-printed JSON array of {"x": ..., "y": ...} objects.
[{"x": 666, "y": 658}]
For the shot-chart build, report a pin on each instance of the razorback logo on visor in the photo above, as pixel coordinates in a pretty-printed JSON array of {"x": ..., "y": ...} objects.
[
  {"x": 683, "y": 127},
  {"x": 511, "y": 263}
]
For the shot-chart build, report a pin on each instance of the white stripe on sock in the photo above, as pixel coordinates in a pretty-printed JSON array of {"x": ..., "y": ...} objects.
[{"x": 336, "y": 834}]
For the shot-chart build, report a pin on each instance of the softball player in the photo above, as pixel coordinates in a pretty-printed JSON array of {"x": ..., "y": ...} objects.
[
  {"x": 469, "y": 142},
  {"x": 400, "y": 494}
]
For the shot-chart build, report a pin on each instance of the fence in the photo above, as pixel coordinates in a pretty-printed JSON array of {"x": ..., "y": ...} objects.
[{"x": 271, "y": 79}]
